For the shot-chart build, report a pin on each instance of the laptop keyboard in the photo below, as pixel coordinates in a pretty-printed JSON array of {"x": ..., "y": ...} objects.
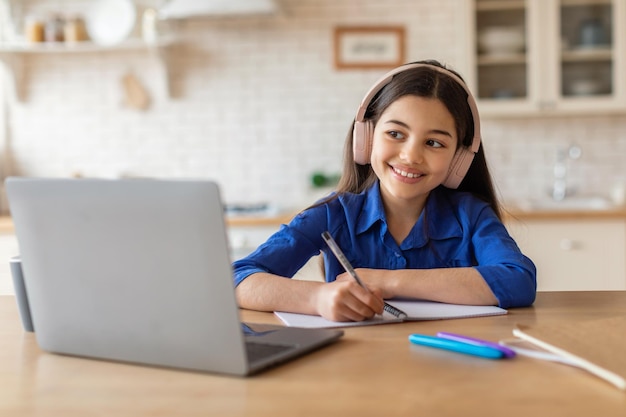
[{"x": 257, "y": 351}]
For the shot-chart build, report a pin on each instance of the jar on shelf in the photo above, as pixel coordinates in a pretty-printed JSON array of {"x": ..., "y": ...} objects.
[
  {"x": 149, "y": 26},
  {"x": 74, "y": 29},
  {"x": 54, "y": 30},
  {"x": 35, "y": 29}
]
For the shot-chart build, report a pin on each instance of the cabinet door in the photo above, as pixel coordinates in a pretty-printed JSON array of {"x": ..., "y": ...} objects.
[
  {"x": 569, "y": 61},
  {"x": 574, "y": 255},
  {"x": 501, "y": 75},
  {"x": 588, "y": 57}
]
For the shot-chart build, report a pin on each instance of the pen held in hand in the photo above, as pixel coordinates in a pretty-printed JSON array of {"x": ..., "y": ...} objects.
[{"x": 349, "y": 269}]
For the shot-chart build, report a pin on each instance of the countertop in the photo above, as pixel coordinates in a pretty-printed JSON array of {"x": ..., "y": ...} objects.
[
  {"x": 520, "y": 214},
  {"x": 510, "y": 213},
  {"x": 6, "y": 223}
]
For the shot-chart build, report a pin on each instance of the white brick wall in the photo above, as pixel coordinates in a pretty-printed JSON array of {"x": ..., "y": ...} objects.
[{"x": 259, "y": 106}]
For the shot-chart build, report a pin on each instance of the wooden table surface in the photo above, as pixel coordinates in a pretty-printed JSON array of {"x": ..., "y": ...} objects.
[{"x": 371, "y": 371}]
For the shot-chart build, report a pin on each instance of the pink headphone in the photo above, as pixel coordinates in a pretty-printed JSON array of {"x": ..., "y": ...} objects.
[{"x": 363, "y": 133}]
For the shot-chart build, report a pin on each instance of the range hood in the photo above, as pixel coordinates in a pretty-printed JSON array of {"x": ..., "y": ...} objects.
[{"x": 181, "y": 9}]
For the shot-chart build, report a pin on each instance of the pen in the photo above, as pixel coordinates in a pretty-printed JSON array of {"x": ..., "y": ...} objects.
[
  {"x": 349, "y": 269},
  {"x": 507, "y": 352},
  {"x": 456, "y": 346}
]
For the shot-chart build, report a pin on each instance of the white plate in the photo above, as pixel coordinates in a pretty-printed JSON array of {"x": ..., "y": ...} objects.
[{"x": 111, "y": 21}]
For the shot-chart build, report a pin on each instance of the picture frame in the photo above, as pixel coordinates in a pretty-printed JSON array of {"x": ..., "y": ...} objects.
[{"x": 369, "y": 47}]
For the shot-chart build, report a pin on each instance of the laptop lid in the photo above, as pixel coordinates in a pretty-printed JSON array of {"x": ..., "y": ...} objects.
[{"x": 135, "y": 271}]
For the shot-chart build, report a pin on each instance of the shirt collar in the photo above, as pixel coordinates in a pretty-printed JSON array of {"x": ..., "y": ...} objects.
[
  {"x": 441, "y": 215},
  {"x": 373, "y": 210},
  {"x": 442, "y": 219}
]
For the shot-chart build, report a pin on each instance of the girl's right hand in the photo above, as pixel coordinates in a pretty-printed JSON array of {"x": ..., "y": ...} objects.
[{"x": 347, "y": 301}]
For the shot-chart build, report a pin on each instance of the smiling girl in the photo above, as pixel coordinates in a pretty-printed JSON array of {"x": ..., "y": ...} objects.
[{"x": 415, "y": 213}]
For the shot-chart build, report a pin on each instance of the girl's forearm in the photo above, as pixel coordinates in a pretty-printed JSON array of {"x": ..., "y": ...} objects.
[{"x": 267, "y": 292}]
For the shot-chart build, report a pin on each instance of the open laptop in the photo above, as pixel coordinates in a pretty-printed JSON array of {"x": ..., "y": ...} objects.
[{"x": 138, "y": 271}]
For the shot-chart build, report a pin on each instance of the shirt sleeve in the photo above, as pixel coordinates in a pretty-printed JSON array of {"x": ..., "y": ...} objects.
[
  {"x": 287, "y": 250},
  {"x": 511, "y": 275}
]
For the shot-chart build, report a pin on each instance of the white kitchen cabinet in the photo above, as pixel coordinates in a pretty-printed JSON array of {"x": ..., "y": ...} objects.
[
  {"x": 574, "y": 255},
  {"x": 572, "y": 63}
]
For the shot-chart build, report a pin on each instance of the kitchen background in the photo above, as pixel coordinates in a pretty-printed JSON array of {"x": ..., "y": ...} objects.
[{"x": 257, "y": 105}]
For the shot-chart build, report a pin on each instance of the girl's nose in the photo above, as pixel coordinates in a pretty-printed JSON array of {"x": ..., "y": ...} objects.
[{"x": 410, "y": 152}]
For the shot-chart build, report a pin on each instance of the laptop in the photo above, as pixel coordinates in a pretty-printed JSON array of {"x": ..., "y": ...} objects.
[{"x": 138, "y": 270}]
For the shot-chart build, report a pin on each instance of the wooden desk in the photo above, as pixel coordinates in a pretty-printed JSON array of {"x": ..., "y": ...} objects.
[{"x": 372, "y": 371}]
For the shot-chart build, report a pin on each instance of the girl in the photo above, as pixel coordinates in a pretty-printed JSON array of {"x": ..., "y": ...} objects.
[{"x": 415, "y": 213}]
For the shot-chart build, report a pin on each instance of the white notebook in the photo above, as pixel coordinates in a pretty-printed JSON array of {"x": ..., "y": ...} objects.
[{"x": 415, "y": 309}]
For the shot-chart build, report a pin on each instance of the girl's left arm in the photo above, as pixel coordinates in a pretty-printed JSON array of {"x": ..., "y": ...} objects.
[
  {"x": 499, "y": 275},
  {"x": 447, "y": 285}
]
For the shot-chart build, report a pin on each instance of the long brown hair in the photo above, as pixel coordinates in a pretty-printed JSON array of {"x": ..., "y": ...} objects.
[{"x": 429, "y": 83}]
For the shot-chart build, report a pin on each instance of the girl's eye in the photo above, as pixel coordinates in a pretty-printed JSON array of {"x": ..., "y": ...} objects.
[
  {"x": 395, "y": 134},
  {"x": 434, "y": 143}
]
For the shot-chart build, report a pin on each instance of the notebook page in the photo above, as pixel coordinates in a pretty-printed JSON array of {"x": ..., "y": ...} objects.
[
  {"x": 315, "y": 322},
  {"x": 415, "y": 309},
  {"x": 430, "y": 310}
]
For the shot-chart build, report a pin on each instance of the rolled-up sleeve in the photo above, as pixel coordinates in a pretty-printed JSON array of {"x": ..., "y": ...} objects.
[{"x": 511, "y": 275}]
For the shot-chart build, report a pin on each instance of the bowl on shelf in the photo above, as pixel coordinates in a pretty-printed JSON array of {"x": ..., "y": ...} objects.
[
  {"x": 592, "y": 33},
  {"x": 499, "y": 40},
  {"x": 585, "y": 87}
]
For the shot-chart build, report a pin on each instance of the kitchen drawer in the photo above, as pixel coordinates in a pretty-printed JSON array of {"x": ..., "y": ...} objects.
[{"x": 575, "y": 255}]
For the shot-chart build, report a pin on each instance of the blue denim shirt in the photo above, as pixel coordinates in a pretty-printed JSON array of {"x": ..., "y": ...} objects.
[{"x": 456, "y": 229}]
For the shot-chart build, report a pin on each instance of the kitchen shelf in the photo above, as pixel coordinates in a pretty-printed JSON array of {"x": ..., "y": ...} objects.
[
  {"x": 587, "y": 55},
  {"x": 569, "y": 3},
  {"x": 498, "y": 5},
  {"x": 501, "y": 59},
  {"x": 76, "y": 47},
  {"x": 11, "y": 56}
]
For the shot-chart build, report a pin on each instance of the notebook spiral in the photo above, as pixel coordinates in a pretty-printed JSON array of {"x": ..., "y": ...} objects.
[{"x": 396, "y": 312}]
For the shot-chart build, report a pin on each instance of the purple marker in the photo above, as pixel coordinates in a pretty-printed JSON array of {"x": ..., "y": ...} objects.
[{"x": 508, "y": 353}]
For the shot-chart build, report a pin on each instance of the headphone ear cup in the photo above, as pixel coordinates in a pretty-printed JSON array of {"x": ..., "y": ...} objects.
[
  {"x": 458, "y": 168},
  {"x": 362, "y": 137}
]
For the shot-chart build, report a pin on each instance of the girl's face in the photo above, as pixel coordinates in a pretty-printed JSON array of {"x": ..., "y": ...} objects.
[{"x": 414, "y": 142}]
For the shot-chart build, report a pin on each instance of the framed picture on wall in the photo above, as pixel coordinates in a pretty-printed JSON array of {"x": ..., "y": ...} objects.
[{"x": 367, "y": 47}]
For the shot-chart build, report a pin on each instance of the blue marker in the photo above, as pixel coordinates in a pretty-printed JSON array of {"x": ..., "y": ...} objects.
[{"x": 456, "y": 346}]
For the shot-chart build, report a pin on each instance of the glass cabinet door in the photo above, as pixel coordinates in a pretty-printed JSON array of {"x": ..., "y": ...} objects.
[
  {"x": 587, "y": 48},
  {"x": 502, "y": 71}
]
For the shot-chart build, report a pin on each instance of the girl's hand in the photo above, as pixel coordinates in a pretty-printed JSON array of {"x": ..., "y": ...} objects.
[{"x": 347, "y": 301}]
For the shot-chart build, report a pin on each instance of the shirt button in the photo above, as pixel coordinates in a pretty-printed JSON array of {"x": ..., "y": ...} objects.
[{"x": 398, "y": 255}]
